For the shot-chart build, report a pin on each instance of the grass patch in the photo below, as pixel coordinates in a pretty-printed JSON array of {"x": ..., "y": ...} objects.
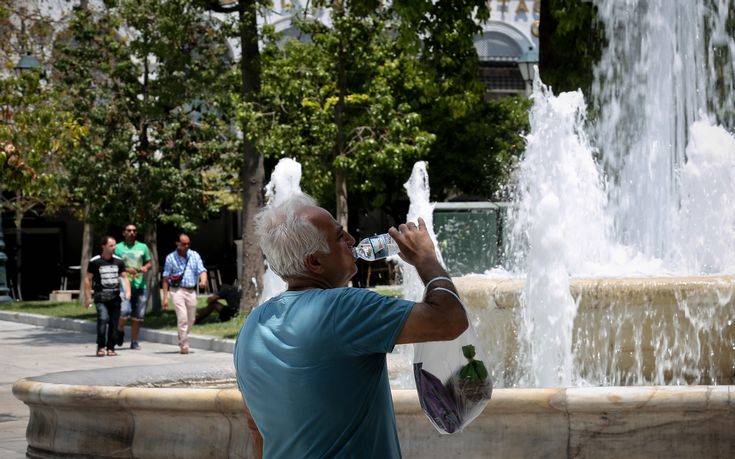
[
  {"x": 165, "y": 320},
  {"x": 388, "y": 290}
]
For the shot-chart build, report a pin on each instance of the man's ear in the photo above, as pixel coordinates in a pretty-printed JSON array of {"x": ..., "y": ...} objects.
[{"x": 314, "y": 264}]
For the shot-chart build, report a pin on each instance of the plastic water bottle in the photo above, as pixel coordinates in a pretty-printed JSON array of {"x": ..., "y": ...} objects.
[{"x": 376, "y": 248}]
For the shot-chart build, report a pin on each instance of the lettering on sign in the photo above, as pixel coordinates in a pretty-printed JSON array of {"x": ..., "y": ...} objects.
[{"x": 522, "y": 7}]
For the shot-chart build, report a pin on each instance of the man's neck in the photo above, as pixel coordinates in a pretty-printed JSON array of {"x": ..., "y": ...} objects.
[
  {"x": 182, "y": 254},
  {"x": 306, "y": 283},
  {"x": 130, "y": 243},
  {"x": 107, "y": 256}
]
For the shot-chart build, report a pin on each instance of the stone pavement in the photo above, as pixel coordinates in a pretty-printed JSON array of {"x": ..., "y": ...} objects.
[{"x": 28, "y": 350}]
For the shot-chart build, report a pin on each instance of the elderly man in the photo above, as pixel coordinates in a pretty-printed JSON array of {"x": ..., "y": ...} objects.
[
  {"x": 181, "y": 272},
  {"x": 311, "y": 362}
]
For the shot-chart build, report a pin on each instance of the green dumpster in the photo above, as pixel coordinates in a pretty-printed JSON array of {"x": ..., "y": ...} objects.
[{"x": 470, "y": 235}]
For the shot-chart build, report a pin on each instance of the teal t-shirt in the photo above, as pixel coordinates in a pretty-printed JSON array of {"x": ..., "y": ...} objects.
[
  {"x": 134, "y": 256},
  {"x": 311, "y": 366}
]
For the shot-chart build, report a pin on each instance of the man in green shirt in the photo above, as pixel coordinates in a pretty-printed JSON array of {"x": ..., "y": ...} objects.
[{"x": 137, "y": 260}]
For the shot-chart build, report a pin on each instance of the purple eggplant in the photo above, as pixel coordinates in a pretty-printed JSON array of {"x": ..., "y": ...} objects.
[{"x": 436, "y": 400}]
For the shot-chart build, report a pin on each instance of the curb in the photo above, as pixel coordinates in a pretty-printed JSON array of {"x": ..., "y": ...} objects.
[{"x": 204, "y": 342}]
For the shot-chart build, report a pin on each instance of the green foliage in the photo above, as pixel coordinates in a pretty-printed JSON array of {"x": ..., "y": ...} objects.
[
  {"x": 93, "y": 70},
  {"x": 572, "y": 46},
  {"x": 413, "y": 92},
  {"x": 472, "y": 134},
  {"x": 157, "y": 102},
  {"x": 300, "y": 95},
  {"x": 35, "y": 134}
]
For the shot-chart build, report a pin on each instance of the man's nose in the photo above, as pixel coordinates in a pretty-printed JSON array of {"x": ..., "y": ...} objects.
[{"x": 351, "y": 239}]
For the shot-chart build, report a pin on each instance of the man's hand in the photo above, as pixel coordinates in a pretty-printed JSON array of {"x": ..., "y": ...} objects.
[
  {"x": 144, "y": 269},
  {"x": 132, "y": 271},
  {"x": 414, "y": 242},
  {"x": 88, "y": 302},
  {"x": 165, "y": 302}
]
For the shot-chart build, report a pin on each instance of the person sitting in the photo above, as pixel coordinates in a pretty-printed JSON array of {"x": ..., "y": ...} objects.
[{"x": 231, "y": 296}]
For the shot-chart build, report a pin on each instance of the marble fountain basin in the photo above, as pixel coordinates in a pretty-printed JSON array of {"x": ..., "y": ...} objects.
[{"x": 193, "y": 411}]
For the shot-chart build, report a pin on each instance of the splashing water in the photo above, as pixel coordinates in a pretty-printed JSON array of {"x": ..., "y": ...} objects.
[
  {"x": 559, "y": 196},
  {"x": 412, "y": 287},
  {"x": 667, "y": 62},
  {"x": 285, "y": 182},
  {"x": 706, "y": 227},
  {"x": 417, "y": 188},
  {"x": 662, "y": 206}
]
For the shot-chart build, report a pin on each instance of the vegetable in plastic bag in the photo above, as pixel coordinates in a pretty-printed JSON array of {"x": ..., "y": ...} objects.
[
  {"x": 453, "y": 383},
  {"x": 436, "y": 400},
  {"x": 472, "y": 381}
]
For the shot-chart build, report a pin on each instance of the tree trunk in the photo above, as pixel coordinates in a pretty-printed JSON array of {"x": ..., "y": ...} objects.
[
  {"x": 340, "y": 179},
  {"x": 154, "y": 296},
  {"x": 547, "y": 27},
  {"x": 18, "y": 220},
  {"x": 252, "y": 173},
  {"x": 86, "y": 255},
  {"x": 340, "y": 182}
]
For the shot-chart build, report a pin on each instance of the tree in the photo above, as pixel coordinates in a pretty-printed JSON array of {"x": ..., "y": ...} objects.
[
  {"x": 571, "y": 42},
  {"x": 342, "y": 110},
  {"x": 92, "y": 69},
  {"x": 452, "y": 104},
  {"x": 251, "y": 171},
  {"x": 35, "y": 133},
  {"x": 158, "y": 102}
]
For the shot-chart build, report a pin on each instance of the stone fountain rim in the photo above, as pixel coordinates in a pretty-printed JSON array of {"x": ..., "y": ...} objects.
[
  {"x": 708, "y": 279},
  {"x": 122, "y": 390}
]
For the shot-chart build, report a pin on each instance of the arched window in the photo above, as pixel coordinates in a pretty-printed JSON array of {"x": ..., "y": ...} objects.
[{"x": 498, "y": 48}]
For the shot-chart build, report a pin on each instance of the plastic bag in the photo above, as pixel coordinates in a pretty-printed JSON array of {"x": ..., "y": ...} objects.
[{"x": 452, "y": 381}]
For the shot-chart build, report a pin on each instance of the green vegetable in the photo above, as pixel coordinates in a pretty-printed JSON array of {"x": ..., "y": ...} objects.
[{"x": 475, "y": 370}]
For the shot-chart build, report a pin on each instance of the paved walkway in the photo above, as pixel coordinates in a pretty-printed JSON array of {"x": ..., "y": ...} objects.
[{"x": 27, "y": 350}]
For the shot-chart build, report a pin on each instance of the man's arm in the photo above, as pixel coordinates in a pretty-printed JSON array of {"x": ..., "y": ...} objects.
[
  {"x": 147, "y": 263},
  {"x": 166, "y": 272},
  {"x": 88, "y": 290},
  {"x": 126, "y": 285},
  {"x": 257, "y": 437},
  {"x": 165, "y": 293},
  {"x": 202, "y": 273},
  {"x": 440, "y": 316}
]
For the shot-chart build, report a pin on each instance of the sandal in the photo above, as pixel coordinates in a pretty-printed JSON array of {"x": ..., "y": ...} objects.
[
  {"x": 111, "y": 353},
  {"x": 100, "y": 352}
]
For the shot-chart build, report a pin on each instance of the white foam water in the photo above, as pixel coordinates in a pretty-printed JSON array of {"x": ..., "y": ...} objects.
[
  {"x": 285, "y": 182},
  {"x": 650, "y": 194},
  {"x": 417, "y": 188}
]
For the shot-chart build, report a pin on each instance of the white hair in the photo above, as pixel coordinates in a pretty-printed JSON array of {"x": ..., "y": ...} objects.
[{"x": 287, "y": 237}]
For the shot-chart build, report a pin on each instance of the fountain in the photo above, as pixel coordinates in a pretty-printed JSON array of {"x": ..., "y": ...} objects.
[
  {"x": 285, "y": 182},
  {"x": 609, "y": 332}
]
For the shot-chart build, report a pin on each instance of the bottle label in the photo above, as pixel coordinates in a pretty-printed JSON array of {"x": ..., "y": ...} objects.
[{"x": 379, "y": 247}]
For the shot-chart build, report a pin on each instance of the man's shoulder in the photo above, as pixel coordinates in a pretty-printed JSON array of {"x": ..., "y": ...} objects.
[{"x": 95, "y": 260}]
